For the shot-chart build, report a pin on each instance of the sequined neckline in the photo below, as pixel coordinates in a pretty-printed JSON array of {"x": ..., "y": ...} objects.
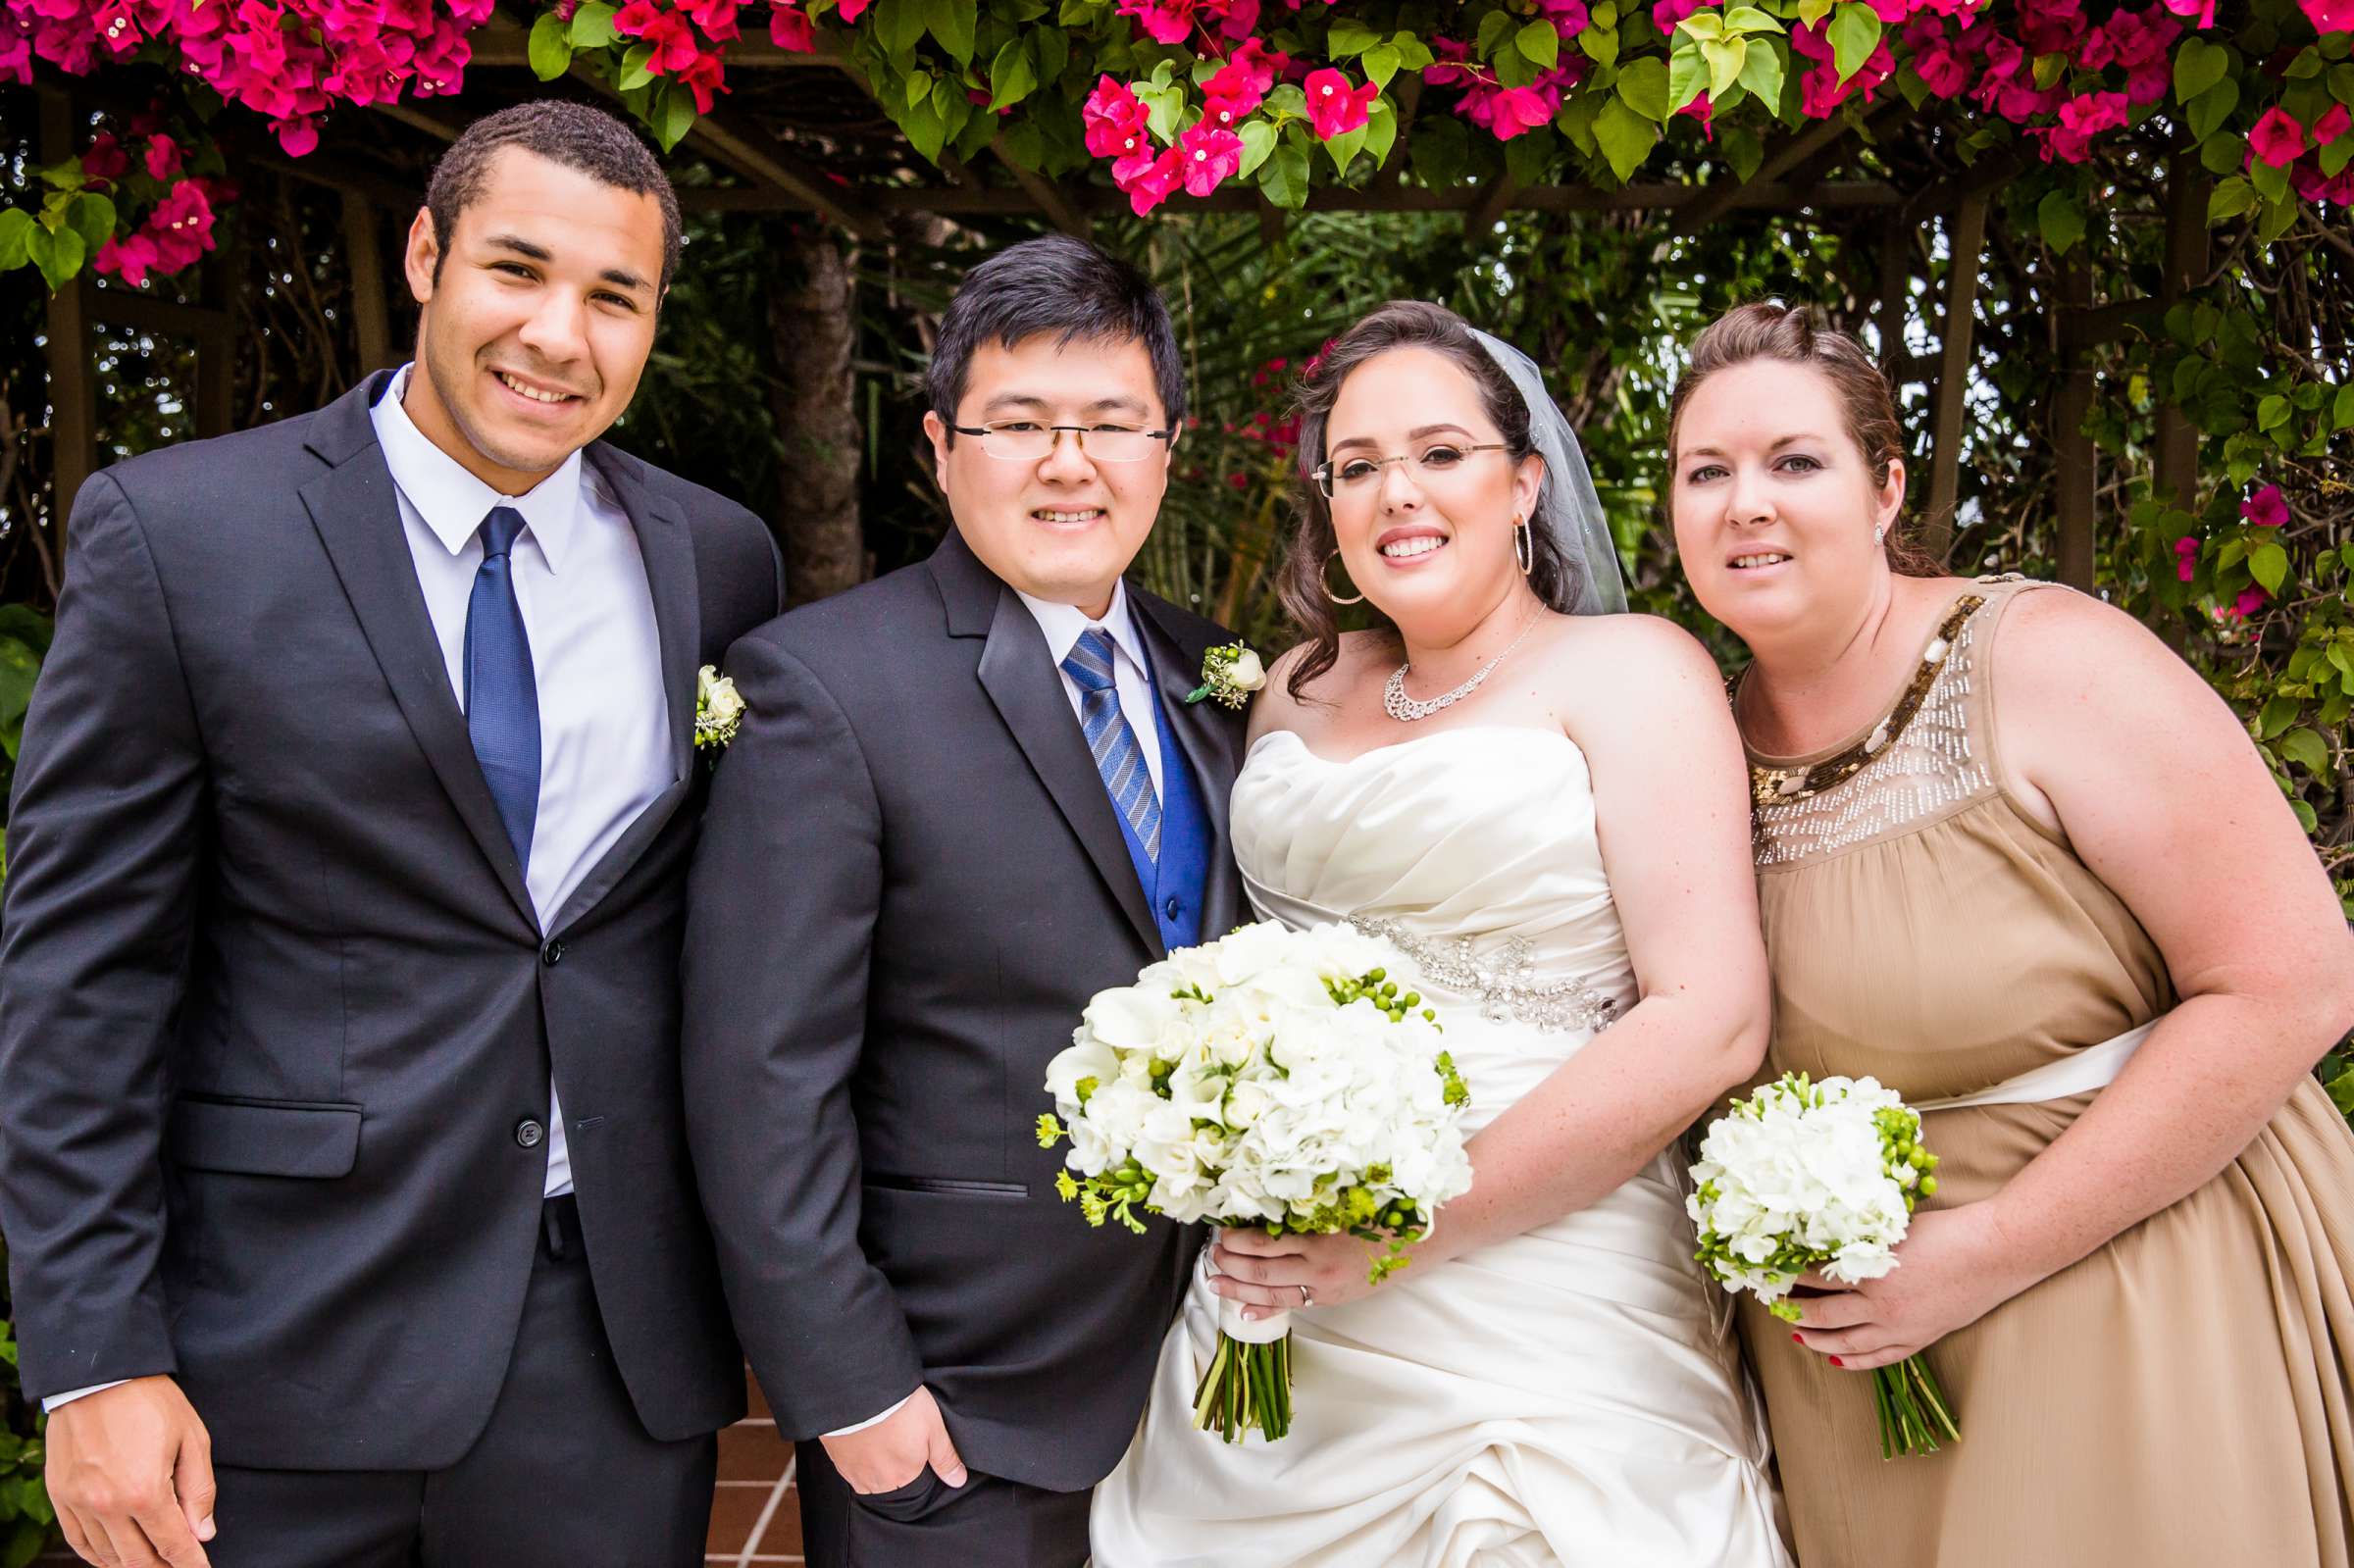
[{"x": 1796, "y": 781}]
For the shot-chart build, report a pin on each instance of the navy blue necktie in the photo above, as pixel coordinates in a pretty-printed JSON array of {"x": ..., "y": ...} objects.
[
  {"x": 1118, "y": 756},
  {"x": 502, "y": 703}
]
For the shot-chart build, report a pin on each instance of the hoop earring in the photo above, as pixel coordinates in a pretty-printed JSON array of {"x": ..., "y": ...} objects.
[
  {"x": 1325, "y": 582},
  {"x": 1526, "y": 560}
]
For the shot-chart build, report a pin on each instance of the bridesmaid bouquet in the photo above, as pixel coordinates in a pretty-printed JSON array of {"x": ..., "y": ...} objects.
[
  {"x": 1287, "y": 1079},
  {"x": 1822, "y": 1175}
]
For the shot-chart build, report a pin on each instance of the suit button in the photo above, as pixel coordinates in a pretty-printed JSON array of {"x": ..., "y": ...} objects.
[
  {"x": 1174, "y": 909},
  {"x": 528, "y": 1133},
  {"x": 552, "y": 954}
]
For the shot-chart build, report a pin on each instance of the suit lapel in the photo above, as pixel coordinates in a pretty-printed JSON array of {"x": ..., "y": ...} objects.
[
  {"x": 1021, "y": 680},
  {"x": 668, "y": 549},
  {"x": 1208, "y": 734},
  {"x": 356, "y": 510}
]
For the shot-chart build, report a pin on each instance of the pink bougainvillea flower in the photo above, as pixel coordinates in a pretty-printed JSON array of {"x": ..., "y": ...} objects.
[
  {"x": 705, "y": 79},
  {"x": 1666, "y": 13},
  {"x": 1334, "y": 108},
  {"x": 2267, "y": 508},
  {"x": 2249, "y": 601},
  {"x": 717, "y": 18},
  {"x": 2081, "y": 120},
  {"x": 2186, "y": 557},
  {"x": 1163, "y": 21},
  {"x": 129, "y": 259},
  {"x": 789, "y": 30},
  {"x": 1115, "y": 120},
  {"x": 1148, "y": 180},
  {"x": 1235, "y": 88},
  {"x": 1513, "y": 111},
  {"x": 1263, "y": 65},
  {"x": 1235, "y": 19},
  {"x": 2201, "y": 10},
  {"x": 851, "y": 10},
  {"x": 2277, "y": 138},
  {"x": 1569, "y": 18},
  {"x": 106, "y": 161},
  {"x": 1212, "y": 157},
  {"x": 1702, "y": 110},
  {"x": 2332, "y": 125},
  {"x": 2330, "y": 15}
]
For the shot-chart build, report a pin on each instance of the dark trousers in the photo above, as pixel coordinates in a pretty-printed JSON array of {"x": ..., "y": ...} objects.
[
  {"x": 987, "y": 1523},
  {"x": 562, "y": 1477}
]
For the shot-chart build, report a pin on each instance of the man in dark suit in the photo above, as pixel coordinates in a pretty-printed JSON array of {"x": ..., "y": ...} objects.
[
  {"x": 965, "y": 799},
  {"x": 342, "y": 1151}
]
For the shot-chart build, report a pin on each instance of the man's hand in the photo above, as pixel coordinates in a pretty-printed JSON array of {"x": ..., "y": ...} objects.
[
  {"x": 130, "y": 1473},
  {"x": 891, "y": 1454}
]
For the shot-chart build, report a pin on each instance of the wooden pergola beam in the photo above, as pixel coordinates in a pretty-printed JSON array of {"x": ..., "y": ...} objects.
[
  {"x": 1722, "y": 199},
  {"x": 999, "y": 201},
  {"x": 2075, "y": 460},
  {"x": 1048, "y": 197},
  {"x": 749, "y": 150},
  {"x": 1966, "y": 243}
]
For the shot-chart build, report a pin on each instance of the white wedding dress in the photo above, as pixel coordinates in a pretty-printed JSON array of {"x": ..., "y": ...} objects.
[{"x": 1572, "y": 1396}]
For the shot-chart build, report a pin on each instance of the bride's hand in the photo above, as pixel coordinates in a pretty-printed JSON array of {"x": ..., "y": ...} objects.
[
  {"x": 1266, "y": 1273},
  {"x": 1953, "y": 1268}
]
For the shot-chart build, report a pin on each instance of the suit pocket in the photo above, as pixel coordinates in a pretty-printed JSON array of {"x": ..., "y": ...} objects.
[
  {"x": 264, "y": 1137},
  {"x": 906, "y": 1503},
  {"x": 949, "y": 1186}
]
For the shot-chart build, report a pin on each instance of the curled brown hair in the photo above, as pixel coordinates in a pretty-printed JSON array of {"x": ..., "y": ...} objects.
[
  {"x": 1401, "y": 323},
  {"x": 1768, "y": 330}
]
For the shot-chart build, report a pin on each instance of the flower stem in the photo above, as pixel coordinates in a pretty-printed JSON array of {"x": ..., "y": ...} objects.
[
  {"x": 1913, "y": 1409},
  {"x": 1246, "y": 1387}
]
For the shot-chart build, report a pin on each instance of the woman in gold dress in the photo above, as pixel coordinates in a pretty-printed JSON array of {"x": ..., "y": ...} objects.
[{"x": 2019, "y": 862}]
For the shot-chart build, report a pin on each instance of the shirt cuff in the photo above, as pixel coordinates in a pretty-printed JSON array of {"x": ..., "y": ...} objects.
[
  {"x": 837, "y": 1432},
  {"x": 52, "y": 1402}
]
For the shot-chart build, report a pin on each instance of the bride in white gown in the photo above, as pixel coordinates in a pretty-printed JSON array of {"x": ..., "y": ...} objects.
[{"x": 1549, "y": 812}]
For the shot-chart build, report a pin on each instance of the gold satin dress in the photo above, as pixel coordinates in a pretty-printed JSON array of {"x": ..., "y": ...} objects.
[{"x": 2179, "y": 1398}]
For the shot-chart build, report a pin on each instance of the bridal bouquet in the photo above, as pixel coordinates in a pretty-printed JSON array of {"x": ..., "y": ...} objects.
[
  {"x": 1287, "y": 1079},
  {"x": 1821, "y": 1176}
]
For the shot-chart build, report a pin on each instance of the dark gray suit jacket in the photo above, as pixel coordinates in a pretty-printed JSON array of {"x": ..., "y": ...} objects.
[
  {"x": 273, "y": 996},
  {"x": 909, "y": 883}
]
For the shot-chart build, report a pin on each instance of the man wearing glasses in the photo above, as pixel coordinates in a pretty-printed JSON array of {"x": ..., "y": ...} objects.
[{"x": 965, "y": 799}]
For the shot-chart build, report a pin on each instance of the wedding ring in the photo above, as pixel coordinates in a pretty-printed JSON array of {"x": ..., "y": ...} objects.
[{"x": 1307, "y": 1297}]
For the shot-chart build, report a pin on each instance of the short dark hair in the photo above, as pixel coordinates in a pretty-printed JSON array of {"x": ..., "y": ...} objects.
[
  {"x": 1056, "y": 284},
  {"x": 562, "y": 133},
  {"x": 1401, "y": 323}
]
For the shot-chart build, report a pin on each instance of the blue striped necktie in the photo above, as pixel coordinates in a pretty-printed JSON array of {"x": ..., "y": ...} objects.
[
  {"x": 1118, "y": 756},
  {"x": 502, "y": 701}
]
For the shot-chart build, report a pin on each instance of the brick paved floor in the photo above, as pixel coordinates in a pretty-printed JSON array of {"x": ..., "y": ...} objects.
[{"x": 755, "y": 1514}]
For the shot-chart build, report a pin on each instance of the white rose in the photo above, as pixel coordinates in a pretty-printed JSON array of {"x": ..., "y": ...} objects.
[{"x": 1246, "y": 673}]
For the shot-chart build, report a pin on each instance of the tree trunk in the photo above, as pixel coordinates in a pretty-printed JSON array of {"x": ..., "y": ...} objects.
[{"x": 811, "y": 322}]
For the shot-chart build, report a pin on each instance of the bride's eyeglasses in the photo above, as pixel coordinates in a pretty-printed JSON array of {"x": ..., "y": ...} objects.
[
  {"x": 1356, "y": 477},
  {"x": 1028, "y": 441}
]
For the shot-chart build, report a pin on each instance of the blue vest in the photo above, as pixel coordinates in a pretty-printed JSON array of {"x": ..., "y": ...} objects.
[{"x": 1174, "y": 887}]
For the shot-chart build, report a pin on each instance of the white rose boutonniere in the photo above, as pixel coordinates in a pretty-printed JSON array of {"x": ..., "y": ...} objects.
[
  {"x": 718, "y": 710},
  {"x": 1230, "y": 672}
]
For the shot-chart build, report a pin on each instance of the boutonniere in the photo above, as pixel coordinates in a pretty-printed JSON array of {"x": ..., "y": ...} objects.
[
  {"x": 1230, "y": 672},
  {"x": 718, "y": 710}
]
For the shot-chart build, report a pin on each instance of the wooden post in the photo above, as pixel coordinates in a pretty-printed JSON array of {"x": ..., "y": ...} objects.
[
  {"x": 2177, "y": 443},
  {"x": 1896, "y": 290},
  {"x": 217, "y": 344},
  {"x": 812, "y": 326},
  {"x": 2074, "y": 459},
  {"x": 73, "y": 394},
  {"x": 1966, "y": 241},
  {"x": 364, "y": 260}
]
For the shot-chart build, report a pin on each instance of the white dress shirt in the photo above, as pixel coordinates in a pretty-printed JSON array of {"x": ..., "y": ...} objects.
[
  {"x": 596, "y": 661},
  {"x": 1062, "y": 625}
]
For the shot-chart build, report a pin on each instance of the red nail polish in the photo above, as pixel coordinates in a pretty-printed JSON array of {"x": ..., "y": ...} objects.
[
  {"x": 1798, "y": 1339},
  {"x": 1835, "y": 1361}
]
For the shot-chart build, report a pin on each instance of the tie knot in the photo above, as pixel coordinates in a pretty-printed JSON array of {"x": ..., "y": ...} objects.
[
  {"x": 499, "y": 529},
  {"x": 1090, "y": 660}
]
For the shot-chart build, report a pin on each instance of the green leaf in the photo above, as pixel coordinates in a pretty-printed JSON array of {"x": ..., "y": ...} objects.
[
  {"x": 1644, "y": 86},
  {"x": 2279, "y": 218},
  {"x": 1702, "y": 25},
  {"x": 1625, "y": 138},
  {"x": 18, "y": 669},
  {"x": 2307, "y": 749},
  {"x": 2341, "y": 83},
  {"x": 58, "y": 254},
  {"x": 1258, "y": 140},
  {"x": 1749, "y": 18},
  {"x": 92, "y": 217},
  {"x": 2341, "y": 411},
  {"x": 674, "y": 114},
  {"x": 1012, "y": 75},
  {"x": 1742, "y": 149},
  {"x": 2277, "y": 715},
  {"x": 1413, "y": 53},
  {"x": 1381, "y": 133},
  {"x": 591, "y": 26},
  {"x": 1349, "y": 38},
  {"x": 2063, "y": 224},
  {"x": 1761, "y": 72},
  {"x": 1441, "y": 150},
  {"x": 1539, "y": 44},
  {"x": 952, "y": 106},
  {"x": 2230, "y": 197},
  {"x": 919, "y": 87},
  {"x": 1725, "y": 59},
  {"x": 1810, "y": 12},
  {"x": 15, "y": 224},
  {"x": 899, "y": 25},
  {"x": 1599, "y": 45},
  {"x": 550, "y": 47},
  {"x": 2224, "y": 154},
  {"x": 1854, "y": 32},
  {"x": 2210, "y": 109},
  {"x": 925, "y": 132},
  {"x": 1344, "y": 148},
  {"x": 1687, "y": 76},
  {"x": 2199, "y": 66},
  {"x": 952, "y": 22},
  {"x": 2270, "y": 411},
  {"x": 2270, "y": 184},
  {"x": 2267, "y": 564},
  {"x": 1283, "y": 179},
  {"x": 1164, "y": 106},
  {"x": 636, "y": 68},
  {"x": 1381, "y": 63}
]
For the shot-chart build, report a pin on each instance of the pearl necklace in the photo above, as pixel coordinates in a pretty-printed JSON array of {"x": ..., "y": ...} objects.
[{"x": 1397, "y": 705}]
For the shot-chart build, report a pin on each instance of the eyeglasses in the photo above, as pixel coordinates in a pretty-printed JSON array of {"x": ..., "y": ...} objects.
[
  {"x": 1361, "y": 476},
  {"x": 1028, "y": 441}
]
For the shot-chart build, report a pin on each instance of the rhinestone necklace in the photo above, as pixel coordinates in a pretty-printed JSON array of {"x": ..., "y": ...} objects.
[{"x": 1397, "y": 705}]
